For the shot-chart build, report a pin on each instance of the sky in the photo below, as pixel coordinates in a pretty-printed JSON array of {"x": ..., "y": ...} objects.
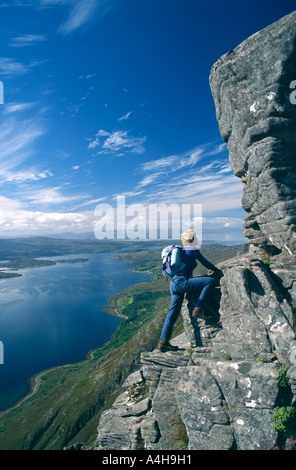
[{"x": 108, "y": 98}]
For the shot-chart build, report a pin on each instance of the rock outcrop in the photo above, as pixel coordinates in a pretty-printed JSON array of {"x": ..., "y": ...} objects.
[
  {"x": 232, "y": 383},
  {"x": 251, "y": 86}
]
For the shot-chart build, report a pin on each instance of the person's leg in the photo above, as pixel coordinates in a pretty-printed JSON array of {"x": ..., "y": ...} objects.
[
  {"x": 172, "y": 315},
  {"x": 204, "y": 287},
  {"x": 177, "y": 297}
]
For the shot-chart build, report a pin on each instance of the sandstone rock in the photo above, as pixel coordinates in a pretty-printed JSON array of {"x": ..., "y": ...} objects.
[
  {"x": 284, "y": 270},
  {"x": 147, "y": 424},
  {"x": 255, "y": 314},
  {"x": 292, "y": 377},
  {"x": 225, "y": 406},
  {"x": 199, "y": 332},
  {"x": 251, "y": 90},
  {"x": 255, "y": 317}
]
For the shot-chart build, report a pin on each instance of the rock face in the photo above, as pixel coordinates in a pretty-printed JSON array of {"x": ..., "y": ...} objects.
[
  {"x": 252, "y": 87},
  {"x": 233, "y": 376},
  {"x": 256, "y": 315}
]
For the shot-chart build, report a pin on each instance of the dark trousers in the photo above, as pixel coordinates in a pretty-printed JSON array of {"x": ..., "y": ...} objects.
[{"x": 179, "y": 286}]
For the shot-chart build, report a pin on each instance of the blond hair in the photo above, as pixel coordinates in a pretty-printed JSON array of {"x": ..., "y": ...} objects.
[{"x": 188, "y": 237}]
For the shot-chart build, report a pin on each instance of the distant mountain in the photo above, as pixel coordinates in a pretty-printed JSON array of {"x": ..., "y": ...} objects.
[{"x": 74, "y": 236}]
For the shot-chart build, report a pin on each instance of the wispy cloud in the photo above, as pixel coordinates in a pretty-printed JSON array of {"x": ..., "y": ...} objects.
[
  {"x": 51, "y": 197},
  {"x": 151, "y": 178},
  {"x": 12, "y": 108},
  {"x": 48, "y": 3},
  {"x": 201, "y": 175},
  {"x": 17, "y": 143},
  {"x": 125, "y": 117},
  {"x": 37, "y": 3},
  {"x": 27, "y": 40},
  {"x": 117, "y": 142},
  {"x": 25, "y": 175},
  {"x": 187, "y": 159},
  {"x": 214, "y": 190},
  {"x": 89, "y": 203},
  {"x": 158, "y": 168},
  {"x": 83, "y": 11},
  {"x": 10, "y": 67},
  {"x": 173, "y": 162}
]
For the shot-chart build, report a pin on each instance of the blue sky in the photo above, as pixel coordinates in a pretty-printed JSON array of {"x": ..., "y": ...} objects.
[{"x": 111, "y": 97}]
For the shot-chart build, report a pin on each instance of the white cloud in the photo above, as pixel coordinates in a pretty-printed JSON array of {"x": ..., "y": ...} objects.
[
  {"x": 8, "y": 204},
  {"x": 87, "y": 76},
  {"x": 149, "y": 179},
  {"x": 17, "y": 144},
  {"x": 125, "y": 117},
  {"x": 215, "y": 192},
  {"x": 120, "y": 139},
  {"x": 11, "y": 67},
  {"x": 51, "y": 196},
  {"x": 36, "y": 3},
  {"x": 82, "y": 12},
  {"x": 128, "y": 194},
  {"x": 165, "y": 166},
  {"x": 117, "y": 142},
  {"x": 12, "y": 108},
  {"x": 27, "y": 40},
  {"x": 26, "y": 175},
  {"x": 176, "y": 162},
  {"x": 89, "y": 203},
  {"x": 16, "y": 222},
  {"x": 47, "y": 3},
  {"x": 184, "y": 179}
]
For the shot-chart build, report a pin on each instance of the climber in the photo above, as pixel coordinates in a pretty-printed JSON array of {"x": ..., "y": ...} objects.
[{"x": 182, "y": 283}]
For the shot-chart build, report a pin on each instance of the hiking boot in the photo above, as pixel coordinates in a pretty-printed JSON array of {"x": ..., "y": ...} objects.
[
  {"x": 164, "y": 346},
  {"x": 199, "y": 313}
]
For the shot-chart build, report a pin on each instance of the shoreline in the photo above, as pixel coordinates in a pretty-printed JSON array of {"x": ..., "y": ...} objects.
[
  {"x": 30, "y": 263},
  {"x": 34, "y": 381}
]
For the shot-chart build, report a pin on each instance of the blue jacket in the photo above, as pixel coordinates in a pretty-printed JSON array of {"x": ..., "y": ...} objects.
[{"x": 189, "y": 262}]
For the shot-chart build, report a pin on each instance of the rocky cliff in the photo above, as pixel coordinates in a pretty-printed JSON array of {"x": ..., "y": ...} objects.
[
  {"x": 251, "y": 86},
  {"x": 232, "y": 383}
]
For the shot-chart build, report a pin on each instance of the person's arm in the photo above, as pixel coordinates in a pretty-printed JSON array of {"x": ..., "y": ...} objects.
[{"x": 206, "y": 263}]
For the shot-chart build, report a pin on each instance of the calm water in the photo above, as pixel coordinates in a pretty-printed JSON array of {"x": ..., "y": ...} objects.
[{"x": 53, "y": 316}]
